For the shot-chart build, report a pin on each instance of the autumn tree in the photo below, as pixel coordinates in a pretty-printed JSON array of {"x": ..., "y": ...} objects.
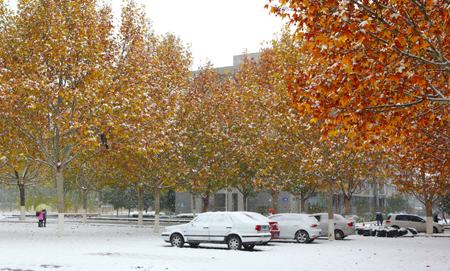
[
  {"x": 380, "y": 67},
  {"x": 62, "y": 81},
  {"x": 204, "y": 136}
]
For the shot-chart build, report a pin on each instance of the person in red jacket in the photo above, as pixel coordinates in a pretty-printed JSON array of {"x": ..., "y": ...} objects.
[{"x": 41, "y": 218}]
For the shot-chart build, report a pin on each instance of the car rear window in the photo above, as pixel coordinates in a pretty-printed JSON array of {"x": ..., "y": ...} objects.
[
  {"x": 258, "y": 217},
  {"x": 243, "y": 218}
]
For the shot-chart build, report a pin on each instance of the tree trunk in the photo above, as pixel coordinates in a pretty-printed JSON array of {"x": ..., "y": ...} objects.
[
  {"x": 347, "y": 198},
  {"x": 245, "y": 201},
  {"x": 157, "y": 208},
  {"x": 100, "y": 200},
  {"x": 275, "y": 201},
  {"x": 32, "y": 198},
  {"x": 60, "y": 195},
  {"x": 194, "y": 210},
  {"x": 205, "y": 201},
  {"x": 22, "y": 199},
  {"x": 302, "y": 205},
  {"x": 85, "y": 194},
  {"x": 429, "y": 212},
  {"x": 330, "y": 212},
  {"x": 140, "y": 205}
]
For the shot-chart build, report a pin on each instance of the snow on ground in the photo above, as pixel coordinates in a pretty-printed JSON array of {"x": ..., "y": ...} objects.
[{"x": 25, "y": 247}]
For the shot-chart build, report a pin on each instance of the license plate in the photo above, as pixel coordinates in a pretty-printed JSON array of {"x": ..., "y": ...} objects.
[
  {"x": 265, "y": 228},
  {"x": 275, "y": 235}
]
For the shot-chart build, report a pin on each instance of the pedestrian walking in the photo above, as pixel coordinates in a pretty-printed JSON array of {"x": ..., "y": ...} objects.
[
  {"x": 41, "y": 218},
  {"x": 379, "y": 217},
  {"x": 44, "y": 217}
]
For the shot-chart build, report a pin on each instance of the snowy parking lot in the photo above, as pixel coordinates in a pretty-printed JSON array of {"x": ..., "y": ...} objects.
[{"x": 25, "y": 247}]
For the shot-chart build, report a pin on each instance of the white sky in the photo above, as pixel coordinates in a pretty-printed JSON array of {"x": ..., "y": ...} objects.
[{"x": 215, "y": 29}]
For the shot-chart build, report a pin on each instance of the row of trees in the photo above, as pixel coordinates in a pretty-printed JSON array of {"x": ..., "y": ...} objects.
[{"x": 104, "y": 105}]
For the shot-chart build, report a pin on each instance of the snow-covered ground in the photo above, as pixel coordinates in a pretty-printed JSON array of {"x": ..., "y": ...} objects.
[{"x": 25, "y": 247}]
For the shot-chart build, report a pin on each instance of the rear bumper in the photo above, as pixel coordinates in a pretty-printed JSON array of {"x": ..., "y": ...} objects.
[
  {"x": 256, "y": 239},
  {"x": 275, "y": 234}
]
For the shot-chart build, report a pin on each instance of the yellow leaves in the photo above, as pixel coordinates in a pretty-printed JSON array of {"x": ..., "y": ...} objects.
[
  {"x": 333, "y": 133},
  {"x": 308, "y": 108},
  {"x": 343, "y": 38}
]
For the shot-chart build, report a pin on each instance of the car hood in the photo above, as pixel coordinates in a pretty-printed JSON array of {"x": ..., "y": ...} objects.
[{"x": 176, "y": 227}]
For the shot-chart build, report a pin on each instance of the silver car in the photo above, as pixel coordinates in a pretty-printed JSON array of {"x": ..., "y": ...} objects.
[
  {"x": 342, "y": 227},
  {"x": 411, "y": 221}
]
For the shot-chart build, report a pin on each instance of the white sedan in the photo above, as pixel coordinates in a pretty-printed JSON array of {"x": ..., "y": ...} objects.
[
  {"x": 301, "y": 227},
  {"x": 232, "y": 228}
]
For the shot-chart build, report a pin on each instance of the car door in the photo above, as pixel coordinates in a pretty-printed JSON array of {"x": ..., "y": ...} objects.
[
  {"x": 198, "y": 229},
  {"x": 290, "y": 225},
  {"x": 220, "y": 225},
  {"x": 418, "y": 223}
]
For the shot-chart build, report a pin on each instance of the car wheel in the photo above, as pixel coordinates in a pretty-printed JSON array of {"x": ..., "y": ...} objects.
[
  {"x": 395, "y": 227},
  {"x": 176, "y": 240},
  {"x": 248, "y": 247},
  {"x": 234, "y": 242},
  {"x": 302, "y": 237},
  {"x": 194, "y": 245},
  {"x": 338, "y": 235},
  {"x": 435, "y": 230}
]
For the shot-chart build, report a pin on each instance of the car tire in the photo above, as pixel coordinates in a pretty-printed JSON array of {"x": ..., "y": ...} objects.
[
  {"x": 194, "y": 245},
  {"x": 302, "y": 237},
  {"x": 435, "y": 230},
  {"x": 176, "y": 240},
  {"x": 248, "y": 247},
  {"x": 338, "y": 235},
  {"x": 395, "y": 227},
  {"x": 234, "y": 242}
]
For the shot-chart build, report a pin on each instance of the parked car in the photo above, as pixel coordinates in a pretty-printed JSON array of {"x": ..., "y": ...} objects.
[
  {"x": 148, "y": 214},
  {"x": 301, "y": 227},
  {"x": 232, "y": 228},
  {"x": 185, "y": 215},
  {"x": 274, "y": 230},
  {"x": 342, "y": 227},
  {"x": 411, "y": 221}
]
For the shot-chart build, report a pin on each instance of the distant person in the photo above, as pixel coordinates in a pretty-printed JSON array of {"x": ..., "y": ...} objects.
[
  {"x": 379, "y": 217},
  {"x": 41, "y": 218},
  {"x": 44, "y": 217},
  {"x": 435, "y": 218}
]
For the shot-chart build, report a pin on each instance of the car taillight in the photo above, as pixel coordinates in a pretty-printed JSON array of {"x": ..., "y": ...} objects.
[
  {"x": 388, "y": 221},
  {"x": 273, "y": 225},
  {"x": 258, "y": 227},
  {"x": 313, "y": 225},
  {"x": 350, "y": 224}
]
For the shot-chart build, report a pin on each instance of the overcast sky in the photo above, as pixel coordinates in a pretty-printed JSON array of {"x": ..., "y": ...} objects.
[{"x": 215, "y": 29}]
